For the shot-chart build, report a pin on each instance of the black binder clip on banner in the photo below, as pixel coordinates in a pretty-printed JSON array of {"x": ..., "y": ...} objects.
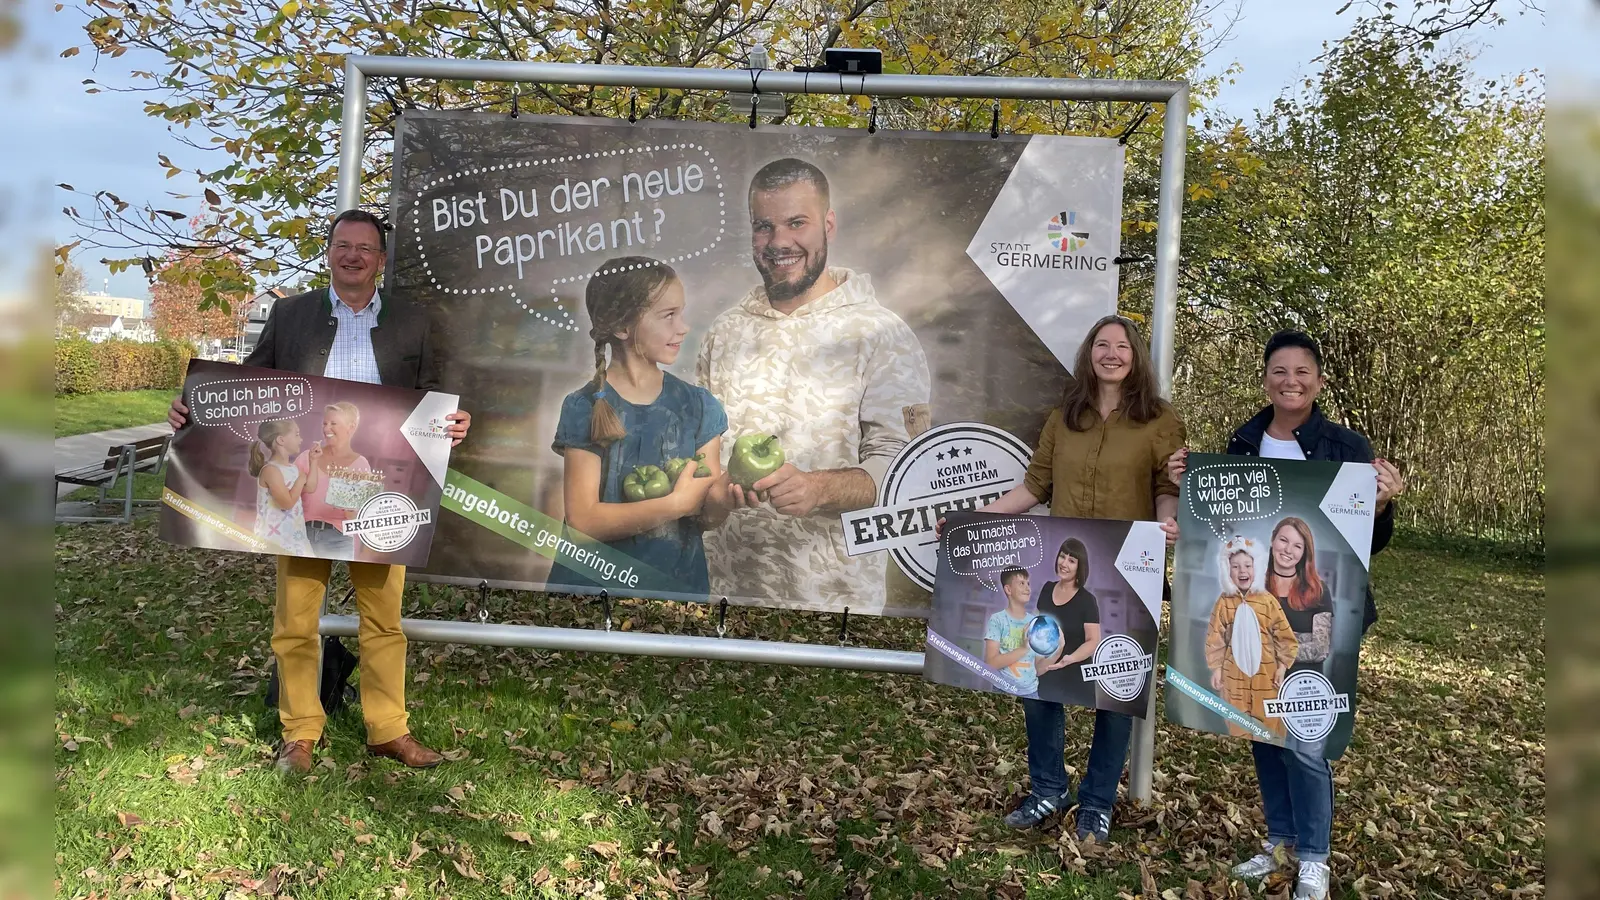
[
  {"x": 605, "y": 606},
  {"x": 755, "y": 95},
  {"x": 994, "y": 122},
  {"x": 722, "y": 617},
  {"x": 633, "y": 107},
  {"x": 515, "y": 90},
  {"x": 872, "y": 117}
]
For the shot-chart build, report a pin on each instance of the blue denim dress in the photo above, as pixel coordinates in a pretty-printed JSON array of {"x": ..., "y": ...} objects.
[{"x": 680, "y": 421}]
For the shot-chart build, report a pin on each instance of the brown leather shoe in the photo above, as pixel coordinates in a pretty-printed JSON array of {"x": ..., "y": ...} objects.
[
  {"x": 406, "y": 749},
  {"x": 295, "y": 757}
]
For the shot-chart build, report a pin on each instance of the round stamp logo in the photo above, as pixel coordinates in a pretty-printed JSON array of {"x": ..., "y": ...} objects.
[
  {"x": 387, "y": 522},
  {"x": 959, "y": 466},
  {"x": 1120, "y": 666},
  {"x": 1308, "y": 705}
]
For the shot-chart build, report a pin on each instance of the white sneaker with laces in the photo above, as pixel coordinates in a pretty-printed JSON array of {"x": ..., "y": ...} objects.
[
  {"x": 1271, "y": 858},
  {"x": 1313, "y": 881}
]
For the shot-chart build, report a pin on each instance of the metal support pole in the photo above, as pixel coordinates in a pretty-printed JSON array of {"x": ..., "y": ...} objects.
[
  {"x": 588, "y": 640},
  {"x": 772, "y": 80},
  {"x": 352, "y": 134},
  {"x": 1163, "y": 327}
]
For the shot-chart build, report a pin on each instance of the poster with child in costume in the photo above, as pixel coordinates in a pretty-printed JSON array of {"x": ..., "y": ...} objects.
[{"x": 1270, "y": 579}]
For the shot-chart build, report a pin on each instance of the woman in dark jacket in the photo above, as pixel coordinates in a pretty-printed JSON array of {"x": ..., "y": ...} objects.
[{"x": 1297, "y": 786}]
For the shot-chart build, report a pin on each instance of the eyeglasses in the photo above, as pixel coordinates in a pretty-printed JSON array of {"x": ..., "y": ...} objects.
[{"x": 363, "y": 249}]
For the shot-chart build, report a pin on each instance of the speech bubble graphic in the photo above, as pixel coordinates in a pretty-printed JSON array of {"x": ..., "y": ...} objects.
[
  {"x": 984, "y": 549},
  {"x": 528, "y": 227},
  {"x": 235, "y": 403},
  {"x": 1225, "y": 494}
]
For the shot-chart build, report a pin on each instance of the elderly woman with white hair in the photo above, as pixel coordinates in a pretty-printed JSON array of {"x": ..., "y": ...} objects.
[{"x": 346, "y": 475}]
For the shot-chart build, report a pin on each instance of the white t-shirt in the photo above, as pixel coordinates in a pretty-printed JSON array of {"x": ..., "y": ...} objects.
[{"x": 1272, "y": 448}]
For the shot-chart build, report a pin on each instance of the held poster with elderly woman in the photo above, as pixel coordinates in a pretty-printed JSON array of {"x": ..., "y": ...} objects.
[
  {"x": 302, "y": 465},
  {"x": 1270, "y": 582}
]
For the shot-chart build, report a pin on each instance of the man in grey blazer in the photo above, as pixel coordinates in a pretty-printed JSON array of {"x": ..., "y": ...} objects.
[{"x": 349, "y": 331}]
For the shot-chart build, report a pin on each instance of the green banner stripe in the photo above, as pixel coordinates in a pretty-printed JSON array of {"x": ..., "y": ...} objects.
[
  {"x": 1219, "y": 706},
  {"x": 522, "y": 524}
]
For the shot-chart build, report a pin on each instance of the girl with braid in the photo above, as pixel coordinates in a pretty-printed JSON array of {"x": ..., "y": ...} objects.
[{"x": 634, "y": 414}]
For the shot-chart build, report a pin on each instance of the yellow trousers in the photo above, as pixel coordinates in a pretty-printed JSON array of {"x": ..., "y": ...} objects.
[{"x": 302, "y": 583}]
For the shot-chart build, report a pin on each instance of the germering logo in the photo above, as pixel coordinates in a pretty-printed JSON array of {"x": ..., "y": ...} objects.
[{"x": 1065, "y": 234}]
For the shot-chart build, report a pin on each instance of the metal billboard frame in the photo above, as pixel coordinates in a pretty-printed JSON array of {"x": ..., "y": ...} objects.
[{"x": 1174, "y": 95}]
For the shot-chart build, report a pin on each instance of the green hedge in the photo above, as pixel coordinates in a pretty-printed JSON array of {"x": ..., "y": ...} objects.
[{"x": 86, "y": 368}]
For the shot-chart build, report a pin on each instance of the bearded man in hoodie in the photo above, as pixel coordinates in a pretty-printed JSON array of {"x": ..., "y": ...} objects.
[{"x": 813, "y": 358}]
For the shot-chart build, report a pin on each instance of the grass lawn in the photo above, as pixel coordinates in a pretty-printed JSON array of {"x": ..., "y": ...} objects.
[
  {"x": 603, "y": 776},
  {"x": 83, "y": 413}
]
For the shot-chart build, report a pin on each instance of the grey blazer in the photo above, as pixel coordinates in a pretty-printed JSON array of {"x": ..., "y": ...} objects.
[{"x": 300, "y": 329}]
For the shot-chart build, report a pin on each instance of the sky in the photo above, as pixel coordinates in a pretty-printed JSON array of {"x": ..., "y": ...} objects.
[{"x": 105, "y": 141}]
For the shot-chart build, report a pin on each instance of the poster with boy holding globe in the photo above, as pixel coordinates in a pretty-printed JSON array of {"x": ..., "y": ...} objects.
[{"x": 1065, "y": 610}]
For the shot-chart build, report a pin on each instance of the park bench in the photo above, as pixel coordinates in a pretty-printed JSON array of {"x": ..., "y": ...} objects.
[{"x": 122, "y": 462}]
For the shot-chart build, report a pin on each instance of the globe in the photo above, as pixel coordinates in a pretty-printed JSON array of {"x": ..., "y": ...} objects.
[{"x": 1044, "y": 635}]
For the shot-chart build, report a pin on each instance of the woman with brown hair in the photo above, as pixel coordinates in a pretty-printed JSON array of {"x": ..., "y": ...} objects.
[
  {"x": 1102, "y": 455},
  {"x": 1292, "y": 578},
  {"x": 1076, "y": 612}
]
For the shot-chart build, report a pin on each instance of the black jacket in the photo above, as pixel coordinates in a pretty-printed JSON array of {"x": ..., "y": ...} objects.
[
  {"x": 1322, "y": 441},
  {"x": 300, "y": 329}
]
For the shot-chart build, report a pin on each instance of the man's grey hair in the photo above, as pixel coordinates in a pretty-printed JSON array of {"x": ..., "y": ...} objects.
[{"x": 780, "y": 173}]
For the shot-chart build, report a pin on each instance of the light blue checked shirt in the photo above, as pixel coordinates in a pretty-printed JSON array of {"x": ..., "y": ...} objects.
[{"x": 351, "y": 356}]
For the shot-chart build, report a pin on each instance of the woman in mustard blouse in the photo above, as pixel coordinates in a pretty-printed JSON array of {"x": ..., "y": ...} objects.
[{"x": 1102, "y": 455}]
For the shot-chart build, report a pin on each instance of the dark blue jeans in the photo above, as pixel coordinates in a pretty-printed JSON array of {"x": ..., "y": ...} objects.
[
  {"x": 1297, "y": 797},
  {"x": 1046, "y": 725}
]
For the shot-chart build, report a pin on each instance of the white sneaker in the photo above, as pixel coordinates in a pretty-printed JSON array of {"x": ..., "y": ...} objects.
[
  {"x": 1271, "y": 858},
  {"x": 1313, "y": 881}
]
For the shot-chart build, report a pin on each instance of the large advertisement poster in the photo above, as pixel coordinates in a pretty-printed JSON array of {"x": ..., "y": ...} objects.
[
  {"x": 1066, "y": 610},
  {"x": 887, "y": 316},
  {"x": 300, "y": 465},
  {"x": 1270, "y": 584}
]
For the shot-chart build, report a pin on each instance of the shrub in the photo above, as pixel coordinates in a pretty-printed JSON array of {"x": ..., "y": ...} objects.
[
  {"x": 77, "y": 368},
  {"x": 82, "y": 367}
]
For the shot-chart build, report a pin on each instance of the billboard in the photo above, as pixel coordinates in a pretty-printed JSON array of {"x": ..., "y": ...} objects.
[{"x": 863, "y": 329}]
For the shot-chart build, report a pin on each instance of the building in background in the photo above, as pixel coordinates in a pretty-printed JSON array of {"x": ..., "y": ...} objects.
[
  {"x": 100, "y": 327},
  {"x": 256, "y": 318},
  {"x": 105, "y": 305}
]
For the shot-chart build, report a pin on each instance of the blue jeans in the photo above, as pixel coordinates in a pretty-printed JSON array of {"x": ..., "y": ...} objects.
[
  {"x": 1046, "y": 725},
  {"x": 1297, "y": 797},
  {"x": 328, "y": 543}
]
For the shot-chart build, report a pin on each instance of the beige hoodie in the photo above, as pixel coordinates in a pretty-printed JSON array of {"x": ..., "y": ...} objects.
[{"x": 841, "y": 382}]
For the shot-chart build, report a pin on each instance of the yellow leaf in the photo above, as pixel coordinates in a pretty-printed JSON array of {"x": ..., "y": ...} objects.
[
  {"x": 290, "y": 8},
  {"x": 621, "y": 726}
]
